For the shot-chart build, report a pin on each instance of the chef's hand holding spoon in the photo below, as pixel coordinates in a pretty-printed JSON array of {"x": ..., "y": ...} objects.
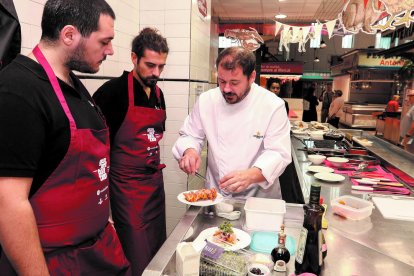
[
  {"x": 239, "y": 181},
  {"x": 190, "y": 161}
]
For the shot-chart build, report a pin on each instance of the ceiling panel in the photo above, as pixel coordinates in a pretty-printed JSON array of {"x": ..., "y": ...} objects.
[{"x": 263, "y": 11}]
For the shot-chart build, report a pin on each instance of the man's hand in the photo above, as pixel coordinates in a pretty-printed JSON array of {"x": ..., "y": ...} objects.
[
  {"x": 239, "y": 181},
  {"x": 190, "y": 162}
]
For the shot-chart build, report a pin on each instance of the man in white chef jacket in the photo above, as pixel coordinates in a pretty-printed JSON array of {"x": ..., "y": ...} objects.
[{"x": 246, "y": 127}]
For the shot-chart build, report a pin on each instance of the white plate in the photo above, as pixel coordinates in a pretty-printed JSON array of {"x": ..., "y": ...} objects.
[
  {"x": 320, "y": 169},
  {"x": 218, "y": 199},
  {"x": 330, "y": 177},
  {"x": 243, "y": 239},
  {"x": 299, "y": 131}
]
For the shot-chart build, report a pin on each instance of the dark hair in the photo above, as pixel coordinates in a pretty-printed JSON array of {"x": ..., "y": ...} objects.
[
  {"x": 338, "y": 93},
  {"x": 272, "y": 80},
  {"x": 232, "y": 57},
  {"x": 150, "y": 39},
  {"x": 83, "y": 14}
]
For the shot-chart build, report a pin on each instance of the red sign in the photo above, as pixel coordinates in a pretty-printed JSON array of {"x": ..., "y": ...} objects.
[
  {"x": 202, "y": 7},
  {"x": 282, "y": 68}
]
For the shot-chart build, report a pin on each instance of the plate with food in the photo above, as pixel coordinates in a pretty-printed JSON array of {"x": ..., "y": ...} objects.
[
  {"x": 201, "y": 197},
  {"x": 225, "y": 236}
]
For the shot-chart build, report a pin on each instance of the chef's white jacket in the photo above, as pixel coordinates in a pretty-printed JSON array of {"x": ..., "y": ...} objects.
[{"x": 252, "y": 133}]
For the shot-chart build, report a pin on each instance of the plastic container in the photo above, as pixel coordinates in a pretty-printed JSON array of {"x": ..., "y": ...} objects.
[
  {"x": 352, "y": 207},
  {"x": 265, "y": 214}
]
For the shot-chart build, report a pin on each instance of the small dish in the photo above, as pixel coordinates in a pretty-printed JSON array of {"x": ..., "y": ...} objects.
[
  {"x": 330, "y": 177},
  {"x": 264, "y": 270},
  {"x": 316, "y": 158},
  {"x": 337, "y": 161}
]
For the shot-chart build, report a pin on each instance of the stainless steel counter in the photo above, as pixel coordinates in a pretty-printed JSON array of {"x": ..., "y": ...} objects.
[
  {"x": 372, "y": 246},
  {"x": 386, "y": 151}
]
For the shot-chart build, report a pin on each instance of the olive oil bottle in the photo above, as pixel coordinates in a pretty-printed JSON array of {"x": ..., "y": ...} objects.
[{"x": 309, "y": 253}]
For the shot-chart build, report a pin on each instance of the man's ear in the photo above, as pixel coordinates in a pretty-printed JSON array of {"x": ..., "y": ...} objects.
[
  {"x": 69, "y": 35},
  {"x": 252, "y": 77},
  {"x": 134, "y": 58}
]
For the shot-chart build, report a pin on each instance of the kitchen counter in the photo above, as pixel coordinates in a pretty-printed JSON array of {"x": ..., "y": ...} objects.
[{"x": 372, "y": 246}]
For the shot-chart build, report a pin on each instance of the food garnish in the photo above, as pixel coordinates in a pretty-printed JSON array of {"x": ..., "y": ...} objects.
[
  {"x": 202, "y": 194},
  {"x": 225, "y": 234}
]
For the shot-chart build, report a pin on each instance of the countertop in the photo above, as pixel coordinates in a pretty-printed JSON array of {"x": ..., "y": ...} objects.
[{"x": 372, "y": 246}]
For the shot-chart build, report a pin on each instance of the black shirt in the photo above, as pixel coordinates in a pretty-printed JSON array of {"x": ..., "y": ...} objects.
[
  {"x": 34, "y": 130},
  {"x": 112, "y": 98}
]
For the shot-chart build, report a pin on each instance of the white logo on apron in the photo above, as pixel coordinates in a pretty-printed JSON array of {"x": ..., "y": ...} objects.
[
  {"x": 151, "y": 134},
  {"x": 102, "y": 170}
]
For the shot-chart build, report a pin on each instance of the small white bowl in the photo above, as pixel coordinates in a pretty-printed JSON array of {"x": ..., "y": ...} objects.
[
  {"x": 337, "y": 161},
  {"x": 264, "y": 269},
  {"x": 316, "y": 158}
]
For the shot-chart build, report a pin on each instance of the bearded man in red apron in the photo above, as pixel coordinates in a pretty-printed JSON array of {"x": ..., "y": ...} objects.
[
  {"x": 135, "y": 111},
  {"x": 54, "y": 152}
]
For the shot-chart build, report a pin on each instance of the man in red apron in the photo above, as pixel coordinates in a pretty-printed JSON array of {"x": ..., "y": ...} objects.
[
  {"x": 54, "y": 153},
  {"x": 135, "y": 111}
]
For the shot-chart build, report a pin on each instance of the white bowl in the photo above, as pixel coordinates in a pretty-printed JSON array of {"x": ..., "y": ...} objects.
[
  {"x": 316, "y": 158},
  {"x": 264, "y": 269},
  {"x": 337, "y": 161}
]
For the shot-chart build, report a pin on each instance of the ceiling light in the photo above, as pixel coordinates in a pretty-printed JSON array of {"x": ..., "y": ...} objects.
[
  {"x": 316, "y": 60},
  {"x": 322, "y": 45},
  {"x": 280, "y": 16}
]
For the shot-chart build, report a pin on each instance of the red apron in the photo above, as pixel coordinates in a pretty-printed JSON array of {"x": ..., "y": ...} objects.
[
  {"x": 137, "y": 188},
  {"x": 72, "y": 206}
]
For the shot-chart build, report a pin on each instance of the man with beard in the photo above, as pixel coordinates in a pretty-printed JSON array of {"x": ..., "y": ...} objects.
[
  {"x": 246, "y": 127},
  {"x": 134, "y": 107},
  {"x": 54, "y": 151}
]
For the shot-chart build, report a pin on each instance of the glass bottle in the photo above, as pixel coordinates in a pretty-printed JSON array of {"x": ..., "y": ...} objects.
[
  {"x": 281, "y": 252},
  {"x": 309, "y": 253}
]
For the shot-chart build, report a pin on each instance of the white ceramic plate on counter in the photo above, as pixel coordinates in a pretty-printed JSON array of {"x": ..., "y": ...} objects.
[
  {"x": 320, "y": 169},
  {"x": 243, "y": 239},
  {"x": 330, "y": 177},
  {"x": 202, "y": 203}
]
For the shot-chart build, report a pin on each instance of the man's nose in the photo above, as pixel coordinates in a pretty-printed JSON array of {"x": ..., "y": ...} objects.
[
  {"x": 157, "y": 71},
  {"x": 226, "y": 88},
  {"x": 110, "y": 50}
]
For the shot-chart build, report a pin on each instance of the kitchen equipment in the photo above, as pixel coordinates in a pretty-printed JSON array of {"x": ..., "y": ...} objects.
[
  {"x": 357, "y": 158},
  {"x": 200, "y": 176},
  {"x": 333, "y": 135},
  {"x": 264, "y": 214},
  {"x": 264, "y": 242},
  {"x": 393, "y": 207},
  {"x": 382, "y": 189},
  {"x": 358, "y": 150},
  {"x": 316, "y": 158},
  {"x": 337, "y": 161},
  {"x": 352, "y": 207}
]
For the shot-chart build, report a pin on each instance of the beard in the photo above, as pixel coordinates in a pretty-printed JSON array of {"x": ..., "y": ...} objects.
[
  {"x": 233, "y": 98},
  {"x": 148, "y": 81},
  {"x": 77, "y": 61}
]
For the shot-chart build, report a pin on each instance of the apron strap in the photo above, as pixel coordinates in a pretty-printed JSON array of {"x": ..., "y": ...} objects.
[{"x": 55, "y": 84}]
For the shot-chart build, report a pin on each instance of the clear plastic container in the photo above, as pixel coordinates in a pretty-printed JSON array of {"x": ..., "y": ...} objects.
[
  {"x": 230, "y": 263},
  {"x": 352, "y": 207},
  {"x": 264, "y": 214}
]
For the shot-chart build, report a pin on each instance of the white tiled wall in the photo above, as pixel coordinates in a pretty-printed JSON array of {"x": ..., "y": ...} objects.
[{"x": 188, "y": 36}]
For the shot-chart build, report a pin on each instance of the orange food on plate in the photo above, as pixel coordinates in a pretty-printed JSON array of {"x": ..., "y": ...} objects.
[
  {"x": 202, "y": 194},
  {"x": 341, "y": 202}
]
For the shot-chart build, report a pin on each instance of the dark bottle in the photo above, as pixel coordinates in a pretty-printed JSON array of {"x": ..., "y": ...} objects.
[
  {"x": 281, "y": 252},
  {"x": 309, "y": 253}
]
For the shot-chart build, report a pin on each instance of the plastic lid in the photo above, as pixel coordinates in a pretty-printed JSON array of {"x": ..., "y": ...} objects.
[{"x": 264, "y": 242}]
